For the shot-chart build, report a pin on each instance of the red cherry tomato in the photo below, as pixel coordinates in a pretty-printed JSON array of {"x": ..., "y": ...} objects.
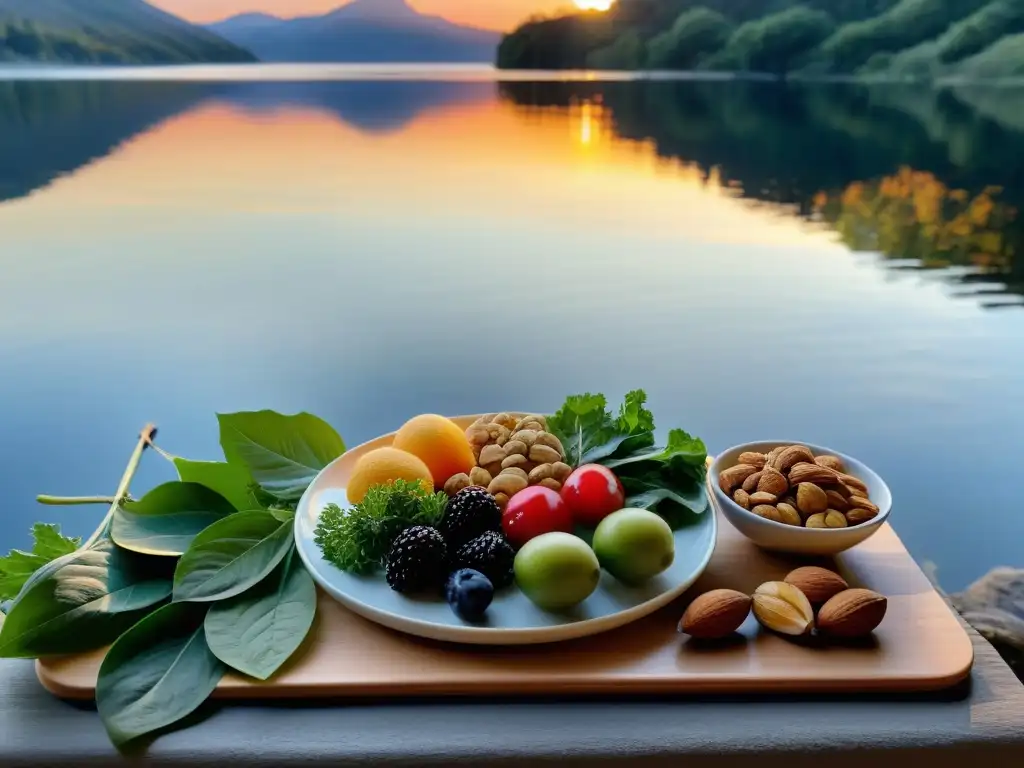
[
  {"x": 592, "y": 492},
  {"x": 533, "y": 511}
]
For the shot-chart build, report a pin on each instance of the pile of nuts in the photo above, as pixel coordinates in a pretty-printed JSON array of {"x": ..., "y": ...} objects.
[
  {"x": 512, "y": 454},
  {"x": 791, "y": 485},
  {"x": 788, "y": 607}
]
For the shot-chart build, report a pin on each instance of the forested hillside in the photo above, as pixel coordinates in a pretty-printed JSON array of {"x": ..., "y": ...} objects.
[
  {"x": 915, "y": 38},
  {"x": 106, "y": 31}
]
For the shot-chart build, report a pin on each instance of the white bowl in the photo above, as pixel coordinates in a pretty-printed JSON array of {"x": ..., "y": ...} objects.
[{"x": 789, "y": 538}]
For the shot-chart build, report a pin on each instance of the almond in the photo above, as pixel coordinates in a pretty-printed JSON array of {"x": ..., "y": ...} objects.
[
  {"x": 858, "y": 515},
  {"x": 810, "y": 499},
  {"x": 742, "y": 498},
  {"x": 852, "y": 613},
  {"x": 806, "y": 472},
  {"x": 794, "y": 454},
  {"x": 788, "y": 514},
  {"x": 836, "y": 500},
  {"x": 830, "y": 462},
  {"x": 753, "y": 459},
  {"x": 783, "y": 608},
  {"x": 853, "y": 483},
  {"x": 768, "y": 512},
  {"x": 772, "y": 481},
  {"x": 715, "y": 614},
  {"x": 762, "y": 498},
  {"x": 733, "y": 476},
  {"x": 819, "y": 584},
  {"x": 827, "y": 519},
  {"x": 750, "y": 484},
  {"x": 860, "y": 501}
]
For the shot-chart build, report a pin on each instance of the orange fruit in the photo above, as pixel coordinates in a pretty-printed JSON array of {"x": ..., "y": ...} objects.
[
  {"x": 385, "y": 465},
  {"x": 439, "y": 442}
]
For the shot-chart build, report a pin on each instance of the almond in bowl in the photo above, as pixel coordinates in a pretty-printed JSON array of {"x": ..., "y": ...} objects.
[{"x": 798, "y": 497}]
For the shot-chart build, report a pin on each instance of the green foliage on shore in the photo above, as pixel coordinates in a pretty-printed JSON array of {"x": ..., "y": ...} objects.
[
  {"x": 106, "y": 32},
  {"x": 918, "y": 39}
]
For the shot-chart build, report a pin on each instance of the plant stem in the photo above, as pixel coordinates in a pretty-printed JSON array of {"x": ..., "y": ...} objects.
[
  {"x": 67, "y": 501},
  {"x": 145, "y": 439},
  {"x": 164, "y": 454}
]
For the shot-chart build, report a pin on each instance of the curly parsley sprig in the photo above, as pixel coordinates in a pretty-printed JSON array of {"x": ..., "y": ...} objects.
[{"x": 357, "y": 540}]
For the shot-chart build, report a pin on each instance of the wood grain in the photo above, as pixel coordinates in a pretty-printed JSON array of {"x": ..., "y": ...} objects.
[{"x": 920, "y": 645}]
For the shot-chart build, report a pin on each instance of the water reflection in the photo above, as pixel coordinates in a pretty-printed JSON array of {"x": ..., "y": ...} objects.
[{"x": 925, "y": 179}]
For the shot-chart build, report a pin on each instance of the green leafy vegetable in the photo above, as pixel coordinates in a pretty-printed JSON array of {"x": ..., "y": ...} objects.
[
  {"x": 231, "y": 481},
  {"x": 281, "y": 453},
  {"x": 231, "y": 556},
  {"x": 666, "y": 479},
  {"x": 16, "y": 567},
  {"x": 156, "y": 673},
  {"x": 357, "y": 539},
  {"x": 166, "y": 520},
  {"x": 259, "y": 630},
  {"x": 81, "y": 601}
]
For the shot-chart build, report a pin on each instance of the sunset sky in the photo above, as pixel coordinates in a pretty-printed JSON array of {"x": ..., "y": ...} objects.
[{"x": 490, "y": 14}]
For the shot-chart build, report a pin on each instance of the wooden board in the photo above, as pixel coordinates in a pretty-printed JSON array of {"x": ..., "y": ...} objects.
[{"x": 920, "y": 645}]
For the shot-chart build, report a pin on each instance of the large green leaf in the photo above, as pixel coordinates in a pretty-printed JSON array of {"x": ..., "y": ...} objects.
[
  {"x": 157, "y": 672},
  {"x": 48, "y": 544},
  {"x": 165, "y": 520},
  {"x": 282, "y": 453},
  {"x": 257, "y": 631},
  {"x": 231, "y": 555},
  {"x": 229, "y": 480},
  {"x": 81, "y": 601}
]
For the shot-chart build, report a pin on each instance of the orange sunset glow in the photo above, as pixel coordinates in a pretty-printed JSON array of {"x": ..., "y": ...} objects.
[{"x": 488, "y": 14}]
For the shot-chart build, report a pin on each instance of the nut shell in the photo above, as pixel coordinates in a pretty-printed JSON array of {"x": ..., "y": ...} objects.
[
  {"x": 819, "y": 584},
  {"x": 715, "y": 614},
  {"x": 783, "y": 608},
  {"x": 852, "y": 613}
]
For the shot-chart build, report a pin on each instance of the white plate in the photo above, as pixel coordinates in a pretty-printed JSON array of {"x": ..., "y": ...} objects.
[{"x": 511, "y": 619}]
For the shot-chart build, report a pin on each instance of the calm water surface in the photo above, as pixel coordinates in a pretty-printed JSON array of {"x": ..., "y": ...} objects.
[{"x": 833, "y": 264}]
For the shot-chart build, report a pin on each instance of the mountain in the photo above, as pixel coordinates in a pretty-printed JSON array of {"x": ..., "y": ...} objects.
[
  {"x": 107, "y": 32},
  {"x": 362, "y": 31}
]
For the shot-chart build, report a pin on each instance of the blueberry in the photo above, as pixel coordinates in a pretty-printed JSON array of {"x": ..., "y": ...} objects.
[{"x": 469, "y": 593}]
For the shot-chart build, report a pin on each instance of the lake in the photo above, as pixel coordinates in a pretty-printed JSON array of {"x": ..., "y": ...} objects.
[{"x": 837, "y": 264}]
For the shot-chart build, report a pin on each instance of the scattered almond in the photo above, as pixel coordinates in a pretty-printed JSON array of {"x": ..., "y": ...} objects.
[
  {"x": 783, "y": 608},
  {"x": 819, "y": 584},
  {"x": 852, "y": 613},
  {"x": 715, "y": 614}
]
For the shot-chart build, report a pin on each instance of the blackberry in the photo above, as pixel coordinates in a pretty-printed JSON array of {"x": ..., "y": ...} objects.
[
  {"x": 491, "y": 555},
  {"x": 417, "y": 560},
  {"x": 469, "y": 513}
]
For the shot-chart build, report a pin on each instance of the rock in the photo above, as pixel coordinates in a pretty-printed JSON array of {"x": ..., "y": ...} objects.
[{"x": 994, "y": 606}]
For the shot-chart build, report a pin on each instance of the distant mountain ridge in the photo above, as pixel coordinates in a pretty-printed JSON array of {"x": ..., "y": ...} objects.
[
  {"x": 106, "y": 32},
  {"x": 361, "y": 31}
]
